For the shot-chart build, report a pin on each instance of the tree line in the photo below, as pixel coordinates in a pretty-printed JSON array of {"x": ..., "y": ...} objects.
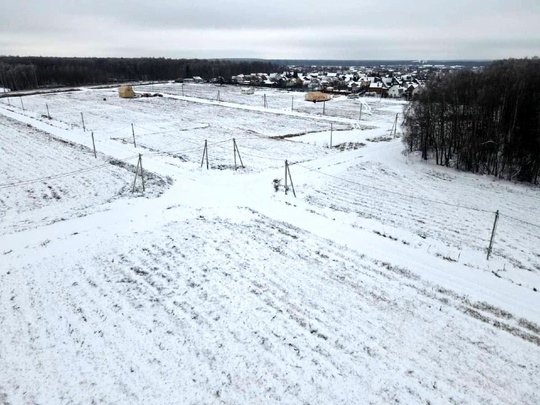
[
  {"x": 484, "y": 122},
  {"x": 22, "y": 73}
]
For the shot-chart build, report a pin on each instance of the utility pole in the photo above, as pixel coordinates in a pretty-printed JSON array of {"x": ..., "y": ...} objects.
[
  {"x": 205, "y": 154},
  {"x": 237, "y": 152},
  {"x": 492, "y": 234},
  {"x": 82, "y": 118},
  {"x": 133, "y": 133},
  {"x": 94, "y": 145},
  {"x": 139, "y": 167},
  {"x": 288, "y": 175}
]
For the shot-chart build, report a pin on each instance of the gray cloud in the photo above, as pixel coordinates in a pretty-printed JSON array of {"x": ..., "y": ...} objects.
[{"x": 387, "y": 29}]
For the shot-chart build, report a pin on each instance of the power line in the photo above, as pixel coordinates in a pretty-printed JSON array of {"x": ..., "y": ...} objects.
[
  {"x": 60, "y": 175},
  {"x": 520, "y": 220},
  {"x": 258, "y": 156},
  {"x": 187, "y": 150},
  {"x": 102, "y": 131}
]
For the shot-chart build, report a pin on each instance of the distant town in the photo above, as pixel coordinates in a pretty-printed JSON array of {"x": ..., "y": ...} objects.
[{"x": 393, "y": 81}]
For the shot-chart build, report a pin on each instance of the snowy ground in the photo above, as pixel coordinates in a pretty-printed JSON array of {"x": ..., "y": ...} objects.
[{"x": 372, "y": 286}]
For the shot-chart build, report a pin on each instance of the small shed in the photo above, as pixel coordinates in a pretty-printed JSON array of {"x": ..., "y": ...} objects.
[
  {"x": 126, "y": 91},
  {"x": 248, "y": 90},
  {"x": 317, "y": 96}
]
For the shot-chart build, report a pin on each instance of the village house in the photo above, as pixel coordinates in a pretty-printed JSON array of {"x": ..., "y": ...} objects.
[
  {"x": 378, "y": 88},
  {"x": 396, "y": 91}
]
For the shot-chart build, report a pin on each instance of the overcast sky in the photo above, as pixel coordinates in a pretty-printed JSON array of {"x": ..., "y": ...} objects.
[{"x": 276, "y": 29}]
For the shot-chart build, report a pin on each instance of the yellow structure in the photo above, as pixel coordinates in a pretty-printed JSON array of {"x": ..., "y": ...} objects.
[
  {"x": 126, "y": 91},
  {"x": 317, "y": 96}
]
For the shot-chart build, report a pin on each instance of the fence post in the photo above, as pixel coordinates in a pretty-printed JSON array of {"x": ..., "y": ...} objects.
[
  {"x": 48, "y": 114},
  {"x": 331, "y": 130},
  {"x": 492, "y": 234},
  {"x": 82, "y": 118}
]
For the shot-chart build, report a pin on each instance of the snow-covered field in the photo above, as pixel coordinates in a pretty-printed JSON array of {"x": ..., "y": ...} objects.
[
  {"x": 35, "y": 193},
  {"x": 371, "y": 286}
]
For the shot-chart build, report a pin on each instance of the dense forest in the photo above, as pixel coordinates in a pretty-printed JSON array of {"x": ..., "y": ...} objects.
[
  {"x": 21, "y": 73},
  {"x": 485, "y": 122}
]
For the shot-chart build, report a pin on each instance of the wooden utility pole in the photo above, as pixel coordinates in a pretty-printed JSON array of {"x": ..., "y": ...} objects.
[
  {"x": 395, "y": 125},
  {"x": 492, "y": 234},
  {"x": 82, "y": 119},
  {"x": 288, "y": 175},
  {"x": 142, "y": 172},
  {"x": 133, "y": 133},
  {"x": 94, "y": 145},
  {"x": 139, "y": 167},
  {"x": 205, "y": 154},
  {"x": 237, "y": 152}
]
